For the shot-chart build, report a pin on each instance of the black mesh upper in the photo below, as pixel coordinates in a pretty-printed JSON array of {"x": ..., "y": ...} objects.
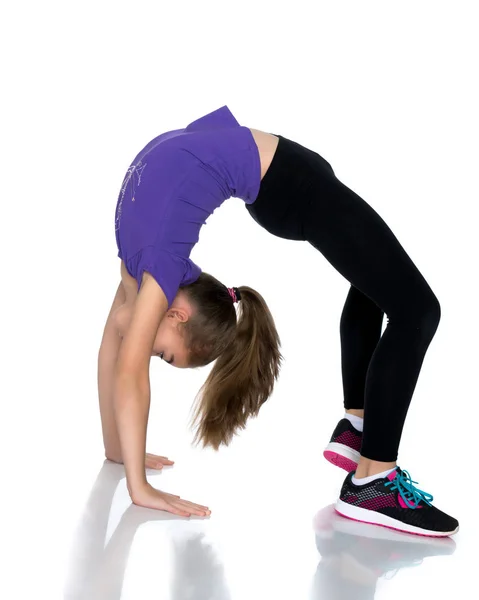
[
  {"x": 342, "y": 426},
  {"x": 426, "y": 517}
]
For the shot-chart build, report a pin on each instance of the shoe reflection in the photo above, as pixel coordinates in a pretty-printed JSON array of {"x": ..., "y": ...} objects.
[
  {"x": 354, "y": 556},
  {"x": 189, "y": 568}
]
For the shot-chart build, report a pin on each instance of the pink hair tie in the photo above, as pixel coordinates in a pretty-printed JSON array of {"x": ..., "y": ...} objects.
[{"x": 234, "y": 293}]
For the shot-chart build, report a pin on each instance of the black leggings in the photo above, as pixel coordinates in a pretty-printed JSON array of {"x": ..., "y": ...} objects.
[{"x": 300, "y": 198}]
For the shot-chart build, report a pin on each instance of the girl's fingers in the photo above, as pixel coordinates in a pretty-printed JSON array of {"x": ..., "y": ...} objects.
[
  {"x": 192, "y": 505},
  {"x": 157, "y": 462},
  {"x": 177, "y": 511},
  {"x": 191, "y": 511},
  {"x": 153, "y": 464},
  {"x": 157, "y": 456},
  {"x": 166, "y": 460},
  {"x": 185, "y": 502}
]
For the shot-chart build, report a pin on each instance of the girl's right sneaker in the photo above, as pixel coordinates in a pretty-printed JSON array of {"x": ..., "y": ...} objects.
[
  {"x": 344, "y": 446},
  {"x": 394, "y": 502}
]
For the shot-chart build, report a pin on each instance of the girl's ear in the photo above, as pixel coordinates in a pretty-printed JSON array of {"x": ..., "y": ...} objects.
[{"x": 178, "y": 313}]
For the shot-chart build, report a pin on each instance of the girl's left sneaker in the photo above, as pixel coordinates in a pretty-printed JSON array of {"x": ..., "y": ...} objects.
[
  {"x": 394, "y": 502},
  {"x": 344, "y": 446}
]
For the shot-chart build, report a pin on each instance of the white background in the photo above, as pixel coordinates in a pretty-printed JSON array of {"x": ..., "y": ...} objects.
[{"x": 387, "y": 93}]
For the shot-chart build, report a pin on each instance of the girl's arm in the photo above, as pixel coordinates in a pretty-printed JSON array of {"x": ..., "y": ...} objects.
[
  {"x": 107, "y": 356},
  {"x": 131, "y": 400},
  {"x": 131, "y": 381}
]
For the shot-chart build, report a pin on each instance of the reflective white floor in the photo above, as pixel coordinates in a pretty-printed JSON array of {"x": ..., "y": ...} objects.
[
  {"x": 254, "y": 545},
  {"x": 272, "y": 532}
]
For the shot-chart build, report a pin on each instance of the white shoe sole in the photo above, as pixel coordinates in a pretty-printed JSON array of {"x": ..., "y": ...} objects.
[{"x": 342, "y": 456}]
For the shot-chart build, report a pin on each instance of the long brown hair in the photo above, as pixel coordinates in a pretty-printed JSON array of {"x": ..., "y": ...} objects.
[{"x": 246, "y": 350}]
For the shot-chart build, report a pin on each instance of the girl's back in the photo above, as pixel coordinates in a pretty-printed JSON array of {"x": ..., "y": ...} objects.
[{"x": 173, "y": 185}]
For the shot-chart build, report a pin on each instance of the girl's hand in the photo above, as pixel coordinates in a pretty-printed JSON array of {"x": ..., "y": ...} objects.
[
  {"x": 149, "y": 497},
  {"x": 152, "y": 461}
]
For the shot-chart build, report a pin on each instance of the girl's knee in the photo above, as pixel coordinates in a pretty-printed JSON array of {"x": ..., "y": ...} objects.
[{"x": 427, "y": 317}]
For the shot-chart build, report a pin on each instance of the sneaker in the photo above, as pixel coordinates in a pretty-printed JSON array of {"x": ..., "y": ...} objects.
[
  {"x": 344, "y": 446},
  {"x": 394, "y": 502}
]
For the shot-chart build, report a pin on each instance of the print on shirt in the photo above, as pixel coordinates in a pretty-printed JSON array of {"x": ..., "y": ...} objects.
[{"x": 129, "y": 181}]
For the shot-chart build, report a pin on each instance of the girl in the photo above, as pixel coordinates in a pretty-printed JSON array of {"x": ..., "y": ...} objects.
[{"x": 166, "y": 306}]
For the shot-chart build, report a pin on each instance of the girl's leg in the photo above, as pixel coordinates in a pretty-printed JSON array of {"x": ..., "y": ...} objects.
[
  {"x": 360, "y": 330},
  {"x": 301, "y": 199},
  {"x": 361, "y": 246}
]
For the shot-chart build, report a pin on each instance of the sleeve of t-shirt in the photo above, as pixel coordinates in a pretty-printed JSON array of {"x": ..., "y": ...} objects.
[
  {"x": 193, "y": 271},
  {"x": 167, "y": 268}
]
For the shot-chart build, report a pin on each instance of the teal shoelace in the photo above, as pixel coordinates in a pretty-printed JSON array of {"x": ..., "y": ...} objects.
[{"x": 410, "y": 494}]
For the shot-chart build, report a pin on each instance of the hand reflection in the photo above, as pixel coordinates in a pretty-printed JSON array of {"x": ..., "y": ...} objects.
[{"x": 97, "y": 566}]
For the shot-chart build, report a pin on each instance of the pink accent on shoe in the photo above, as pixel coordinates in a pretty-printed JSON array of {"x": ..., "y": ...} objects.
[
  {"x": 395, "y": 528},
  {"x": 379, "y": 502},
  {"x": 350, "y": 440},
  {"x": 392, "y": 475},
  {"x": 403, "y": 504},
  {"x": 340, "y": 461}
]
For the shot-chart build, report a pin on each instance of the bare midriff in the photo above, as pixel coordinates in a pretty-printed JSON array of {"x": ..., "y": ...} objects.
[{"x": 267, "y": 144}]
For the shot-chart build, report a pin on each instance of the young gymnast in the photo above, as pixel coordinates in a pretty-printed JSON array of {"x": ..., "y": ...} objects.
[{"x": 166, "y": 306}]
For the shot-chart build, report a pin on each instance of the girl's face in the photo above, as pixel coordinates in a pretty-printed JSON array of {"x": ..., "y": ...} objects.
[{"x": 169, "y": 344}]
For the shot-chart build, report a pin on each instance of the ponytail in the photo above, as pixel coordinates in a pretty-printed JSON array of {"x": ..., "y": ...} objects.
[{"x": 243, "y": 375}]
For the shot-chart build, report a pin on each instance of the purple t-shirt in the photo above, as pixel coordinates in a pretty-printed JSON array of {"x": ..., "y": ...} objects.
[{"x": 171, "y": 188}]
